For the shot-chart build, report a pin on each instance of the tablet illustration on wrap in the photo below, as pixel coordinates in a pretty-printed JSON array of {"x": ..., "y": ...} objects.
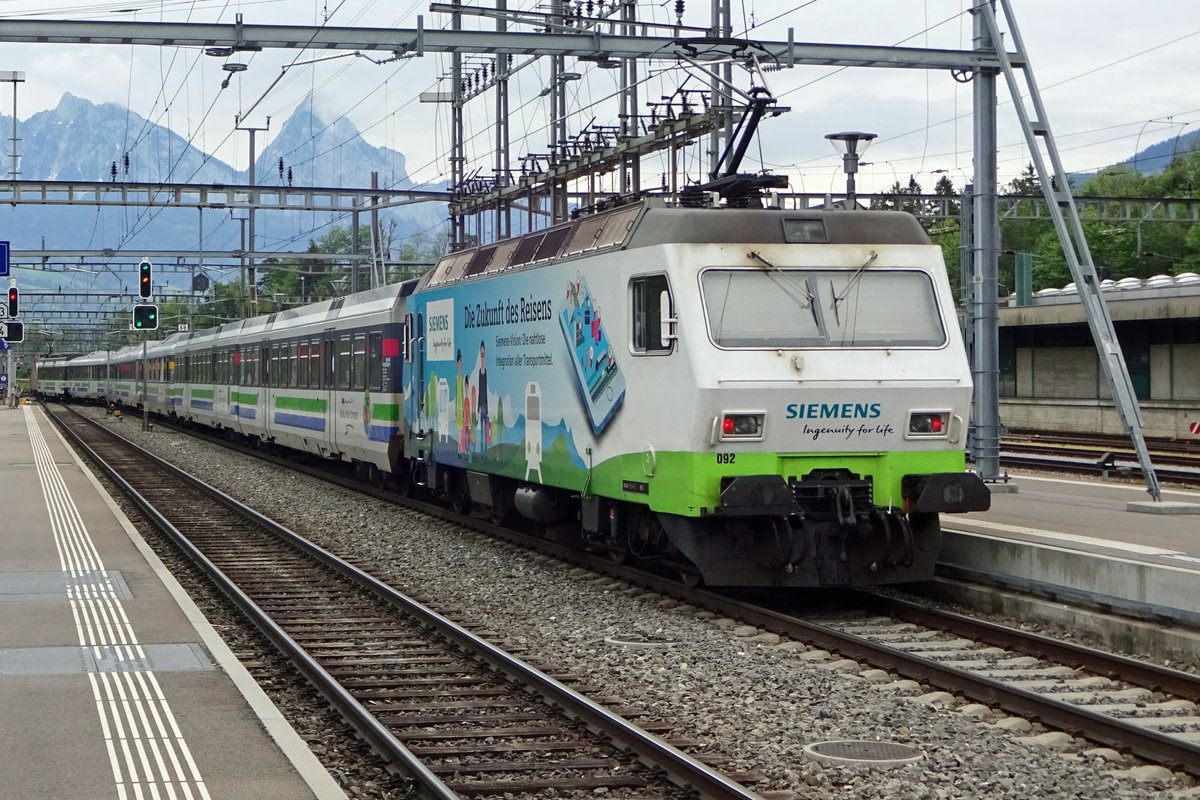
[{"x": 599, "y": 377}]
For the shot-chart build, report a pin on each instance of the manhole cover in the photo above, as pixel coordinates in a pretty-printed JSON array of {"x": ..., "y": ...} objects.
[
  {"x": 871, "y": 754},
  {"x": 636, "y": 640}
]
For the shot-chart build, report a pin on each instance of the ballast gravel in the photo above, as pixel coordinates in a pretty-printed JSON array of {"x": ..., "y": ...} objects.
[{"x": 750, "y": 702}]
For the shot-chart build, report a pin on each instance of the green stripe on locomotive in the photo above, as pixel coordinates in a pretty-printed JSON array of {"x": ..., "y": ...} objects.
[{"x": 687, "y": 483}]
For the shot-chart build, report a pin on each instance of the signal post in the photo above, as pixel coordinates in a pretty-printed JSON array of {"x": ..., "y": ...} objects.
[
  {"x": 145, "y": 318},
  {"x": 11, "y": 329}
]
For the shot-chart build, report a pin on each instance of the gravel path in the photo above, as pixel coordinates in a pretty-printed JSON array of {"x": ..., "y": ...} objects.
[{"x": 749, "y": 698}]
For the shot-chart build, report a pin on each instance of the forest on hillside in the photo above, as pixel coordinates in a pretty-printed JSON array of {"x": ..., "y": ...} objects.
[{"x": 1149, "y": 242}]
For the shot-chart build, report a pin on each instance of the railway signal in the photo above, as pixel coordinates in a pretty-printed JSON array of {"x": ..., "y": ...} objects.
[
  {"x": 145, "y": 317},
  {"x": 13, "y": 332},
  {"x": 14, "y": 301},
  {"x": 145, "y": 288}
]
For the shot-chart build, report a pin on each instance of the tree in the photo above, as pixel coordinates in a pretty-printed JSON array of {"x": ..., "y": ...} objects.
[
  {"x": 418, "y": 254},
  {"x": 903, "y": 198}
]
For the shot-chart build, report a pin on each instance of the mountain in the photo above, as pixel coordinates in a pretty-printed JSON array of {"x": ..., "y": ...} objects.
[
  {"x": 1157, "y": 157},
  {"x": 81, "y": 140},
  {"x": 1151, "y": 160}
]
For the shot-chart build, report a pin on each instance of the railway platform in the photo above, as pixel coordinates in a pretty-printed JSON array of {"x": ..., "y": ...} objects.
[
  {"x": 112, "y": 682},
  {"x": 1082, "y": 542}
]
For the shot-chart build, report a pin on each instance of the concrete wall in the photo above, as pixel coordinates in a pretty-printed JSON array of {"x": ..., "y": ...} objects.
[
  {"x": 1164, "y": 420},
  {"x": 1067, "y": 372},
  {"x": 1186, "y": 373}
]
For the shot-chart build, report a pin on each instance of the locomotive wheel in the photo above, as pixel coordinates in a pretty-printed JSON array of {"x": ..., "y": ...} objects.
[
  {"x": 644, "y": 532},
  {"x": 460, "y": 501},
  {"x": 404, "y": 478},
  {"x": 616, "y": 547},
  {"x": 689, "y": 573}
]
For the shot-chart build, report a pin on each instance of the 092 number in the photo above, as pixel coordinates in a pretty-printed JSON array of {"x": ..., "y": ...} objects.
[{"x": 725, "y": 458}]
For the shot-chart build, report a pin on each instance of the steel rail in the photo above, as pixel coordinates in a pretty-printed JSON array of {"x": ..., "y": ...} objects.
[
  {"x": 1150, "y": 744},
  {"x": 362, "y": 720},
  {"x": 1111, "y": 665},
  {"x": 681, "y": 769}
]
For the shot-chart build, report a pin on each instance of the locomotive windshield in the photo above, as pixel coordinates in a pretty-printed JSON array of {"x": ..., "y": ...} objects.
[{"x": 821, "y": 308}]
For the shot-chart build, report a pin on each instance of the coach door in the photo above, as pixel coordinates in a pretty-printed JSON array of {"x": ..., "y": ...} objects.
[
  {"x": 420, "y": 394},
  {"x": 266, "y": 400},
  {"x": 329, "y": 385}
]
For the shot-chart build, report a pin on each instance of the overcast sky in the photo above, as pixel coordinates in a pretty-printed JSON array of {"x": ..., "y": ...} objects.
[{"x": 1116, "y": 76}]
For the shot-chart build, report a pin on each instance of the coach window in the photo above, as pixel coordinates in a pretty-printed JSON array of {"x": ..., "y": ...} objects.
[
  {"x": 302, "y": 364},
  {"x": 292, "y": 362},
  {"x": 375, "y": 362},
  {"x": 344, "y": 363},
  {"x": 314, "y": 364},
  {"x": 274, "y": 370},
  {"x": 329, "y": 358},
  {"x": 359, "y": 377},
  {"x": 296, "y": 363},
  {"x": 647, "y": 306}
]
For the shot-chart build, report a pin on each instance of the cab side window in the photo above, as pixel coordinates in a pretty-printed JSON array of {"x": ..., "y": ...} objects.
[{"x": 646, "y": 306}]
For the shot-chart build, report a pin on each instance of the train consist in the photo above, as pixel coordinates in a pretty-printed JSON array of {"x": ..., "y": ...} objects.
[{"x": 755, "y": 397}]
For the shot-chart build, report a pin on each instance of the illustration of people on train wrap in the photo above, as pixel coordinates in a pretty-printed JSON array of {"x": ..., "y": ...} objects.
[{"x": 481, "y": 382}]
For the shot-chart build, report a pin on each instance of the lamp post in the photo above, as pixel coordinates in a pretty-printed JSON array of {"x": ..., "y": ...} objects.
[{"x": 846, "y": 143}]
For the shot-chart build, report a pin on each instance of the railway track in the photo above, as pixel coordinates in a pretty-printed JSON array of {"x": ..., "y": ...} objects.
[
  {"x": 1108, "y": 699},
  {"x": 1112, "y": 700},
  {"x": 453, "y": 713},
  {"x": 1178, "y": 462}
]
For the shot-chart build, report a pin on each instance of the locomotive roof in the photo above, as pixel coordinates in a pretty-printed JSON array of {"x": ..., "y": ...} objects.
[
  {"x": 767, "y": 226},
  {"x": 650, "y": 222}
]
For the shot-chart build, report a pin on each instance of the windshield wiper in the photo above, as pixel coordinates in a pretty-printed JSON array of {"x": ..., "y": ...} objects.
[
  {"x": 837, "y": 298},
  {"x": 791, "y": 282}
]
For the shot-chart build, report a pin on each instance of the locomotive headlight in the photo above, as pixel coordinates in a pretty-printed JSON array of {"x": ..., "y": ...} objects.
[
  {"x": 741, "y": 426},
  {"x": 928, "y": 423}
]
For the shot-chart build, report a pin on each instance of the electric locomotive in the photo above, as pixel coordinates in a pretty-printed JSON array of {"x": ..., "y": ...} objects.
[{"x": 756, "y": 397}]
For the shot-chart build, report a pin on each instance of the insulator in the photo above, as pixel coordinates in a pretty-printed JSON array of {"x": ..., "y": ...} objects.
[{"x": 678, "y": 10}]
